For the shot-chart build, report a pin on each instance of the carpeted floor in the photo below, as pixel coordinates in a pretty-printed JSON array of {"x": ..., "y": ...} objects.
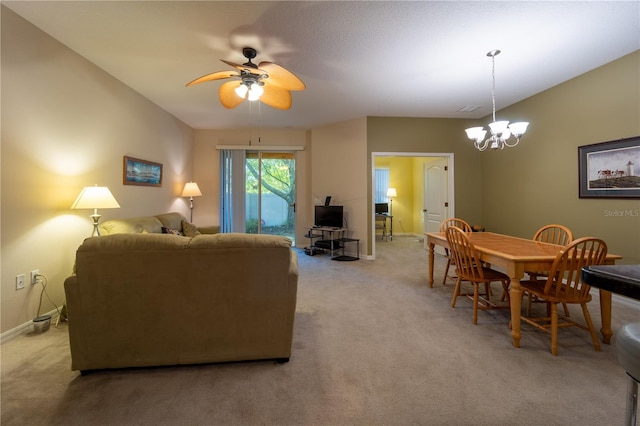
[{"x": 373, "y": 345}]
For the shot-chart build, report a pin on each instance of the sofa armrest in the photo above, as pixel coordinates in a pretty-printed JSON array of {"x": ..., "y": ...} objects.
[{"x": 213, "y": 229}]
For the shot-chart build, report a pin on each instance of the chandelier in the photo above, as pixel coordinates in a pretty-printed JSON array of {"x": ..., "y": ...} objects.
[{"x": 501, "y": 131}]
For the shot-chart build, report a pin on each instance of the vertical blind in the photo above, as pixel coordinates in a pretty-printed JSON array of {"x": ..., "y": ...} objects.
[
  {"x": 381, "y": 184},
  {"x": 232, "y": 209}
]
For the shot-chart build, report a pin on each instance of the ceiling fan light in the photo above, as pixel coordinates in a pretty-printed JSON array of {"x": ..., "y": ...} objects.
[
  {"x": 241, "y": 90},
  {"x": 255, "y": 91},
  {"x": 518, "y": 129}
]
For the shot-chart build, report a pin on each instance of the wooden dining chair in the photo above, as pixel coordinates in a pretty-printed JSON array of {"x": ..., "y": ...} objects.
[
  {"x": 564, "y": 285},
  {"x": 470, "y": 268},
  {"x": 443, "y": 227},
  {"x": 552, "y": 234}
]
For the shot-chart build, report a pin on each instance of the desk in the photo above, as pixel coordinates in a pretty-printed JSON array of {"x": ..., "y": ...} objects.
[
  {"x": 384, "y": 216},
  {"x": 515, "y": 255}
]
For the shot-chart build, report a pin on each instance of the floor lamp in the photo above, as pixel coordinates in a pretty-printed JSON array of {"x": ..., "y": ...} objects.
[
  {"x": 191, "y": 190},
  {"x": 95, "y": 197},
  {"x": 391, "y": 192}
]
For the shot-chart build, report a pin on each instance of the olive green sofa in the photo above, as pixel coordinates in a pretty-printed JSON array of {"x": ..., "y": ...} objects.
[{"x": 139, "y": 300}]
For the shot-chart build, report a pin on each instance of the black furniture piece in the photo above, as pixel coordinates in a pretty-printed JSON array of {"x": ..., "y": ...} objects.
[
  {"x": 619, "y": 279},
  {"x": 331, "y": 240},
  {"x": 624, "y": 280}
]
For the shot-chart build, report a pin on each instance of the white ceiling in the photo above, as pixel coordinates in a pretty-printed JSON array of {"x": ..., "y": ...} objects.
[{"x": 357, "y": 58}]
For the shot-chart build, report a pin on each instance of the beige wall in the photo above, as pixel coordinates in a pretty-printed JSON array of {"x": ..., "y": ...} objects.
[
  {"x": 536, "y": 183},
  {"x": 339, "y": 169},
  {"x": 66, "y": 124}
]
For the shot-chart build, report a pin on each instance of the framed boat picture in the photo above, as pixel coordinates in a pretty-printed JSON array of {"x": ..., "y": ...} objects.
[{"x": 141, "y": 172}]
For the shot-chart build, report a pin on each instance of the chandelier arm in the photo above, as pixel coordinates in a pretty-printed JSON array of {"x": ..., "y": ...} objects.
[
  {"x": 482, "y": 145},
  {"x": 513, "y": 144}
]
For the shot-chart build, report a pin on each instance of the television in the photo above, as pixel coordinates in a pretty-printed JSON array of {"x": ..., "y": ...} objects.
[
  {"x": 382, "y": 208},
  {"x": 329, "y": 216}
]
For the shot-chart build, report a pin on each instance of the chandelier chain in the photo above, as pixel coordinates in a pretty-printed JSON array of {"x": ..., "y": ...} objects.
[{"x": 493, "y": 90}]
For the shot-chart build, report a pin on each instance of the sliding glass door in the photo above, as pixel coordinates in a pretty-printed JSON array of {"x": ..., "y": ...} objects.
[
  {"x": 270, "y": 191},
  {"x": 257, "y": 191}
]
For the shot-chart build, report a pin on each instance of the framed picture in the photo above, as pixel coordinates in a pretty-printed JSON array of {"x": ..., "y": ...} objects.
[
  {"x": 610, "y": 169},
  {"x": 141, "y": 172}
]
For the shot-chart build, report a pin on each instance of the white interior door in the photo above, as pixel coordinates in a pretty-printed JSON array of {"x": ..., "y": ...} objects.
[{"x": 436, "y": 204}]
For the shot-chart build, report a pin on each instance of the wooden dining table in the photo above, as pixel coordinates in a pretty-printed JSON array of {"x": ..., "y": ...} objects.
[{"x": 515, "y": 255}]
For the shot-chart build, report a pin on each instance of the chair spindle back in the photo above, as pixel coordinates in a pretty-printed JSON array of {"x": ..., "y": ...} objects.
[{"x": 565, "y": 276}]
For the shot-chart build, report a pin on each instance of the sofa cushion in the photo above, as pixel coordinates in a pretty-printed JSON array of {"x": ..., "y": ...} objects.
[
  {"x": 189, "y": 229},
  {"x": 136, "y": 225},
  {"x": 171, "y": 220},
  {"x": 119, "y": 242},
  {"x": 238, "y": 240}
]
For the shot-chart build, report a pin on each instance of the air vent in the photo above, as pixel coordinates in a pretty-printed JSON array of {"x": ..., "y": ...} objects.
[{"x": 469, "y": 108}]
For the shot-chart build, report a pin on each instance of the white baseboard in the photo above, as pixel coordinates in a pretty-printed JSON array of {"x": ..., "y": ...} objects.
[{"x": 25, "y": 328}]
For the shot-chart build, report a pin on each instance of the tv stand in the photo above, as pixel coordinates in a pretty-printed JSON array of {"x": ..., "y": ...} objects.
[{"x": 332, "y": 240}]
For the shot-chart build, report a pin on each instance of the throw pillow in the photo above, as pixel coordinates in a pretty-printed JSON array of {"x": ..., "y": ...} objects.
[
  {"x": 189, "y": 229},
  {"x": 170, "y": 231}
]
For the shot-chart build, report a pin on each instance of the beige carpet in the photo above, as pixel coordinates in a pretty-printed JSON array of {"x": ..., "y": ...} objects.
[{"x": 373, "y": 345}]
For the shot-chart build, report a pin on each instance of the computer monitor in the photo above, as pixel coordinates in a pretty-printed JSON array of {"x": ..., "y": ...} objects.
[
  {"x": 382, "y": 208},
  {"x": 329, "y": 216}
]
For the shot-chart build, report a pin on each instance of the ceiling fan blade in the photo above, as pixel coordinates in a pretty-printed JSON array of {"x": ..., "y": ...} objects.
[
  {"x": 276, "y": 97},
  {"x": 281, "y": 77},
  {"x": 244, "y": 67},
  {"x": 228, "y": 96},
  {"x": 214, "y": 76}
]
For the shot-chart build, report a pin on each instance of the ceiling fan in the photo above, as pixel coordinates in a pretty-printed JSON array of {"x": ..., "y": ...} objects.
[{"x": 268, "y": 82}]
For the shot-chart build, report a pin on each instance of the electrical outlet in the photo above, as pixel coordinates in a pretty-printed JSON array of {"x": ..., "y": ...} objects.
[
  {"x": 34, "y": 276},
  {"x": 20, "y": 281}
]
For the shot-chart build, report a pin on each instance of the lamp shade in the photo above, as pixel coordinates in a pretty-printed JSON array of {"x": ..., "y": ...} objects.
[
  {"x": 95, "y": 197},
  {"x": 191, "y": 190},
  {"x": 391, "y": 192}
]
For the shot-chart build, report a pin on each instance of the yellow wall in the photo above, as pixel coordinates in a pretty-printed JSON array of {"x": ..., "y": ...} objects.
[
  {"x": 67, "y": 124},
  {"x": 402, "y": 178}
]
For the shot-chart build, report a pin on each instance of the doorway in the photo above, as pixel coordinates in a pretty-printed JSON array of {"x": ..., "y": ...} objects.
[{"x": 424, "y": 183}]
